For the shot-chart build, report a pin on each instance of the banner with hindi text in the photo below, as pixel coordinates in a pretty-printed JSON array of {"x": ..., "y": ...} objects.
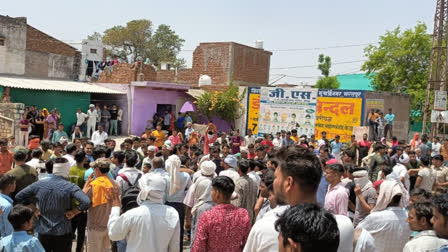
[
  {"x": 338, "y": 111},
  {"x": 287, "y": 109},
  {"x": 253, "y": 109}
]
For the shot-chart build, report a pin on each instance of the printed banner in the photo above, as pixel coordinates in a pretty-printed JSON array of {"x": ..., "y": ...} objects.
[
  {"x": 360, "y": 131},
  {"x": 287, "y": 109},
  {"x": 338, "y": 112},
  {"x": 374, "y": 104},
  {"x": 253, "y": 109}
]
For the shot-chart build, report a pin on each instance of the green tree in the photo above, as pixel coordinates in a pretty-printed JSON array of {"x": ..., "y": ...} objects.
[
  {"x": 138, "y": 40},
  {"x": 399, "y": 63},
  {"x": 326, "y": 82},
  {"x": 95, "y": 36}
]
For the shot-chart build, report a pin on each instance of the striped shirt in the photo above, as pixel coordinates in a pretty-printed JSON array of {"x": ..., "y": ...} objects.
[{"x": 54, "y": 197}]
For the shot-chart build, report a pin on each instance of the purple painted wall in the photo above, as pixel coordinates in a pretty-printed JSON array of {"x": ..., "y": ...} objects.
[
  {"x": 220, "y": 124},
  {"x": 145, "y": 105}
]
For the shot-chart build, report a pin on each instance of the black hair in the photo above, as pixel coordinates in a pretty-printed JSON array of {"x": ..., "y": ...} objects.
[
  {"x": 3, "y": 141},
  {"x": 119, "y": 155},
  {"x": 325, "y": 149},
  {"x": 438, "y": 157},
  {"x": 399, "y": 148},
  {"x": 36, "y": 153},
  {"x": 441, "y": 204},
  {"x": 301, "y": 164},
  {"x": 379, "y": 147},
  {"x": 338, "y": 168},
  {"x": 103, "y": 169},
  {"x": 152, "y": 138},
  {"x": 387, "y": 170},
  {"x": 351, "y": 168},
  {"x": 261, "y": 148},
  {"x": 108, "y": 152},
  {"x": 131, "y": 158},
  {"x": 90, "y": 143},
  {"x": 70, "y": 148},
  {"x": 425, "y": 161},
  {"x": 6, "y": 180},
  {"x": 244, "y": 166},
  {"x": 20, "y": 215},
  {"x": 183, "y": 159},
  {"x": 128, "y": 141},
  {"x": 136, "y": 139},
  {"x": 98, "y": 151},
  {"x": 293, "y": 131},
  {"x": 309, "y": 225},
  {"x": 394, "y": 138},
  {"x": 423, "y": 209},
  {"x": 250, "y": 146},
  {"x": 224, "y": 185},
  {"x": 268, "y": 178},
  {"x": 258, "y": 140},
  {"x": 351, "y": 154},
  {"x": 80, "y": 155},
  {"x": 49, "y": 166},
  {"x": 421, "y": 194},
  {"x": 20, "y": 155}
]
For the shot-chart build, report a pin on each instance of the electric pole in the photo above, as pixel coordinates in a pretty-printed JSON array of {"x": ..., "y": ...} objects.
[{"x": 438, "y": 61}]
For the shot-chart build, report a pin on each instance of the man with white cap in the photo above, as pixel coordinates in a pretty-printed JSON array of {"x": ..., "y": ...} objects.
[
  {"x": 152, "y": 225},
  {"x": 151, "y": 155},
  {"x": 230, "y": 163},
  {"x": 54, "y": 196},
  {"x": 92, "y": 114},
  {"x": 400, "y": 170},
  {"x": 206, "y": 172},
  {"x": 365, "y": 196}
]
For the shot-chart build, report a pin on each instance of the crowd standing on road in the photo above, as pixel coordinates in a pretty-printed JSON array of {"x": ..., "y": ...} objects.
[{"x": 173, "y": 188}]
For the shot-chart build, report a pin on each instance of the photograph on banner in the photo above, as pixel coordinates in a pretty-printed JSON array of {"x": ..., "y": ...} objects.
[
  {"x": 360, "y": 131},
  {"x": 253, "y": 109},
  {"x": 439, "y": 116},
  {"x": 374, "y": 104},
  {"x": 287, "y": 109},
  {"x": 338, "y": 112}
]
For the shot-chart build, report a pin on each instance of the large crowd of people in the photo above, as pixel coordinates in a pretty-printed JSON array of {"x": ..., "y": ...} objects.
[{"x": 173, "y": 188}]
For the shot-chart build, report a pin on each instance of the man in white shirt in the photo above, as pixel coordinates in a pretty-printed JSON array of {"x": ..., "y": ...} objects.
[
  {"x": 253, "y": 175},
  {"x": 249, "y": 139},
  {"x": 92, "y": 114},
  {"x": 323, "y": 140},
  {"x": 400, "y": 171},
  {"x": 99, "y": 136},
  {"x": 151, "y": 155},
  {"x": 152, "y": 225},
  {"x": 188, "y": 130},
  {"x": 436, "y": 146},
  {"x": 36, "y": 156},
  {"x": 81, "y": 119},
  {"x": 419, "y": 219},
  {"x": 294, "y": 183},
  {"x": 387, "y": 220},
  {"x": 229, "y": 168},
  {"x": 70, "y": 156},
  {"x": 182, "y": 183},
  {"x": 277, "y": 142},
  {"x": 128, "y": 174}
]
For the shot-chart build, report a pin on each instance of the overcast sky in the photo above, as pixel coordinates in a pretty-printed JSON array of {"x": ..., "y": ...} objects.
[{"x": 282, "y": 25}]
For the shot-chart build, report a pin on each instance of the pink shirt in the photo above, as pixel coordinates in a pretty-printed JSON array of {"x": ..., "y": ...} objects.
[
  {"x": 174, "y": 140},
  {"x": 222, "y": 228},
  {"x": 336, "y": 200}
]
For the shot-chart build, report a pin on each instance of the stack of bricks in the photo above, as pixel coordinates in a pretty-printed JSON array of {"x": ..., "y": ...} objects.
[
  {"x": 124, "y": 73},
  {"x": 13, "y": 111}
]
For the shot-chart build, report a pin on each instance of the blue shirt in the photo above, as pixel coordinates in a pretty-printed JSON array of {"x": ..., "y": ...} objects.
[
  {"x": 287, "y": 142},
  {"x": 336, "y": 147},
  {"x": 90, "y": 171},
  {"x": 322, "y": 191},
  {"x": 390, "y": 118},
  {"x": 444, "y": 248},
  {"x": 20, "y": 241},
  {"x": 180, "y": 122},
  {"x": 6, "y": 206},
  {"x": 57, "y": 136},
  {"x": 54, "y": 196}
]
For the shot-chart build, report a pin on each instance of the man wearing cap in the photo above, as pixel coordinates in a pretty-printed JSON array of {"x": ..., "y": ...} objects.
[
  {"x": 151, "y": 155},
  {"x": 400, "y": 170},
  {"x": 158, "y": 223},
  {"x": 55, "y": 230},
  {"x": 229, "y": 165},
  {"x": 92, "y": 114},
  {"x": 188, "y": 130}
]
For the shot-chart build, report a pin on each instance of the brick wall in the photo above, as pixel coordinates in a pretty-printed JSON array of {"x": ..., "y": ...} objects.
[
  {"x": 124, "y": 73},
  {"x": 250, "y": 65},
  {"x": 13, "y": 111},
  {"x": 41, "y": 42}
]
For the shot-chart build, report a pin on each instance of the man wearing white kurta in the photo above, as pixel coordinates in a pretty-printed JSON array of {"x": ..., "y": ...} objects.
[
  {"x": 91, "y": 121},
  {"x": 151, "y": 226}
]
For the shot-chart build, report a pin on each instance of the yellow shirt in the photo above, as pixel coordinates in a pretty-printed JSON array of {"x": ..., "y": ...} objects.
[
  {"x": 160, "y": 138},
  {"x": 295, "y": 138},
  {"x": 46, "y": 155}
]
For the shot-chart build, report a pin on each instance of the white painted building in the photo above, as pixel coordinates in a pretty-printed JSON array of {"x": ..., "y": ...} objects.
[{"x": 92, "y": 50}]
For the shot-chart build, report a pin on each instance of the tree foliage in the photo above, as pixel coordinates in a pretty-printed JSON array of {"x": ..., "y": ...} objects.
[
  {"x": 399, "y": 62},
  {"x": 227, "y": 105},
  {"x": 95, "y": 36},
  {"x": 138, "y": 40},
  {"x": 326, "y": 82}
]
